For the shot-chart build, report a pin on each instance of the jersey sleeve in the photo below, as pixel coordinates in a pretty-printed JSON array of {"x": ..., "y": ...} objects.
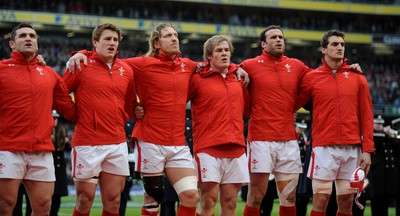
[
  {"x": 366, "y": 116},
  {"x": 62, "y": 101}
]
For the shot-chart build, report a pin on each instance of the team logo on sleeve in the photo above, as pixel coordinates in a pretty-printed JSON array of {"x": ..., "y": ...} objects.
[
  {"x": 40, "y": 70},
  {"x": 287, "y": 66},
  {"x": 346, "y": 75}
]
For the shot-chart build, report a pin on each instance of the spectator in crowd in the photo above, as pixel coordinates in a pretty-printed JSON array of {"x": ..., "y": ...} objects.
[
  {"x": 125, "y": 195},
  {"x": 61, "y": 185},
  {"x": 235, "y": 15},
  {"x": 346, "y": 101},
  {"x": 29, "y": 91},
  {"x": 302, "y": 199},
  {"x": 384, "y": 174}
]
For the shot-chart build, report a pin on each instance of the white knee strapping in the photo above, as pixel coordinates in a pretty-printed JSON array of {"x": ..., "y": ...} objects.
[
  {"x": 343, "y": 187},
  {"x": 322, "y": 186},
  {"x": 293, "y": 179},
  {"x": 185, "y": 183}
]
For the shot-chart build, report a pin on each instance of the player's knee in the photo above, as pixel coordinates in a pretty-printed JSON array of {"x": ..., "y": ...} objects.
[
  {"x": 85, "y": 200},
  {"x": 255, "y": 197},
  {"x": 6, "y": 205},
  {"x": 345, "y": 202},
  {"x": 209, "y": 202},
  {"x": 229, "y": 202},
  {"x": 154, "y": 187},
  {"x": 41, "y": 207},
  {"x": 111, "y": 202},
  {"x": 287, "y": 196}
]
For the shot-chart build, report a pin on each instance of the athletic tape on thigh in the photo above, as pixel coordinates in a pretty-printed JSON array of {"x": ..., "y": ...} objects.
[
  {"x": 293, "y": 178},
  {"x": 322, "y": 186},
  {"x": 343, "y": 187},
  {"x": 185, "y": 183},
  {"x": 89, "y": 180}
]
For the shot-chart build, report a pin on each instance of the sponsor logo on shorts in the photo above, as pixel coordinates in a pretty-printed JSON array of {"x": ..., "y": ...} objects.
[
  {"x": 317, "y": 168},
  {"x": 254, "y": 163},
  {"x": 145, "y": 163},
  {"x": 1, "y": 167},
  {"x": 204, "y": 172},
  {"x": 80, "y": 168}
]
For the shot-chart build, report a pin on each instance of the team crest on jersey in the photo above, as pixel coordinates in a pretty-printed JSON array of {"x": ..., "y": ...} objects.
[
  {"x": 121, "y": 71},
  {"x": 40, "y": 70},
  {"x": 346, "y": 75},
  {"x": 260, "y": 61},
  {"x": 183, "y": 67},
  {"x": 92, "y": 61},
  {"x": 287, "y": 66}
]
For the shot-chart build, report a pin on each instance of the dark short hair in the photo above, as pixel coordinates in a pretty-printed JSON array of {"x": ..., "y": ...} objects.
[
  {"x": 262, "y": 34},
  {"x": 20, "y": 26},
  {"x": 106, "y": 26},
  {"x": 330, "y": 33}
]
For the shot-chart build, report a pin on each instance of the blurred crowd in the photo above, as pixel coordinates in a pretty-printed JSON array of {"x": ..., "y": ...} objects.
[{"x": 221, "y": 14}]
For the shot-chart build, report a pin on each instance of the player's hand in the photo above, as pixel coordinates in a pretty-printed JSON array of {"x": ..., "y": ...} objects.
[
  {"x": 240, "y": 73},
  {"x": 356, "y": 68},
  {"x": 200, "y": 67},
  {"x": 365, "y": 162},
  {"x": 75, "y": 61},
  {"x": 41, "y": 60},
  {"x": 139, "y": 112}
]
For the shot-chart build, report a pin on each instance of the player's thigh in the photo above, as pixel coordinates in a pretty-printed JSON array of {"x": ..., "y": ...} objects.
[
  {"x": 111, "y": 185},
  {"x": 9, "y": 191},
  {"x": 39, "y": 192}
]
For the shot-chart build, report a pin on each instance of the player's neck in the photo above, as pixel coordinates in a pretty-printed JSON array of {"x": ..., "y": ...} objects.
[
  {"x": 334, "y": 64},
  {"x": 28, "y": 56}
]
